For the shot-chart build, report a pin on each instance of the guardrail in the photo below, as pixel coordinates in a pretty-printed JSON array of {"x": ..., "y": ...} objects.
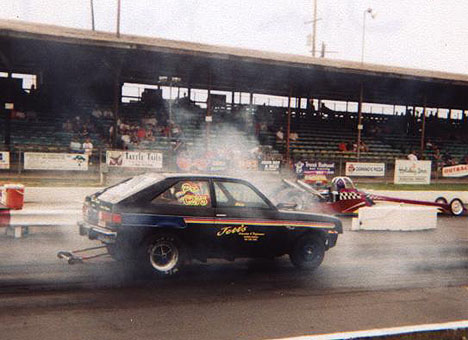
[{"x": 19, "y": 222}]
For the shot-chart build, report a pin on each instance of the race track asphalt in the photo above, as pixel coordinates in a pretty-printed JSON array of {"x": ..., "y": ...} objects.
[{"x": 369, "y": 280}]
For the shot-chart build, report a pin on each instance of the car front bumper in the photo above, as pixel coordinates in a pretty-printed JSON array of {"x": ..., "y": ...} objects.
[{"x": 97, "y": 233}]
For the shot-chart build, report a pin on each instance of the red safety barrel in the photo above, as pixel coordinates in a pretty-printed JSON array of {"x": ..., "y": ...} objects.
[{"x": 12, "y": 196}]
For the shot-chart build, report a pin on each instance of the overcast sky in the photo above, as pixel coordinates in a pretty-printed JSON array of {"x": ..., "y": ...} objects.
[{"x": 421, "y": 34}]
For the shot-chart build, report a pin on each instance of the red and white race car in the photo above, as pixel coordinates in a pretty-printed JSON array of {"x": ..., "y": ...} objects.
[{"x": 342, "y": 197}]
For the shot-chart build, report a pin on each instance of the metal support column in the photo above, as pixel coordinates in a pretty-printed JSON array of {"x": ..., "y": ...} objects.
[
  {"x": 116, "y": 105},
  {"x": 208, "y": 118},
  {"x": 423, "y": 128},
  {"x": 288, "y": 130},
  {"x": 359, "y": 125}
]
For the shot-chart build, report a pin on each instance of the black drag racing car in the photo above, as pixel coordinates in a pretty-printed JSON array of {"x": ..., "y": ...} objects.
[{"x": 163, "y": 221}]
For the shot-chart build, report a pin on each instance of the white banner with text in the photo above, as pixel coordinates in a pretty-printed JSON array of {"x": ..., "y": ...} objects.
[
  {"x": 412, "y": 172},
  {"x": 460, "y": 170},
  {"x": 4, "y": 160},
  {"x": 365, "y": 169},
  {"x": 55, "y": 161},
  {"x": 135, "y": 159}
]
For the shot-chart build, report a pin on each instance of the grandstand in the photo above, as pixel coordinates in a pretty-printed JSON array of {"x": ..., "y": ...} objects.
[{"x": 103, "y": 64}]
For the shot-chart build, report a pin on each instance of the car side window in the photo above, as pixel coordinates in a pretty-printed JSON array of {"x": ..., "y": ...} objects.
[
  {"x": 186, "y": 193},
  {"x": 233, "y": 194}
]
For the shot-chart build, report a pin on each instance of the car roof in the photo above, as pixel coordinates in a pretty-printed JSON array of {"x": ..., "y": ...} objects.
[{"x": 191, "y": 175}]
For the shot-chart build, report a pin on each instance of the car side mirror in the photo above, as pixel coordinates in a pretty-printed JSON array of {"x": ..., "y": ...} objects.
[{"x": 287, "y": 206}]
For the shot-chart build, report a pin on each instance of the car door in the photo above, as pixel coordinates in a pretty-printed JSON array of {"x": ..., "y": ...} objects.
[
  {"x": 245, "y": 220},
  {"x": 187, "y": 202}
]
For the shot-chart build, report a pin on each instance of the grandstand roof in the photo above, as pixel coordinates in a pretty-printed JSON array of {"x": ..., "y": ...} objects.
[{"x": 27, "y": 47}]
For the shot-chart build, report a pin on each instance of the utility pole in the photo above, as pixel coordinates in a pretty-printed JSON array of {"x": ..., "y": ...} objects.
[
  {"x": 92, "y": 14},
  {"x": 118, "y": 18},
  {"x": 313, "y": 36},
  {"x": 314, "y": 28}
]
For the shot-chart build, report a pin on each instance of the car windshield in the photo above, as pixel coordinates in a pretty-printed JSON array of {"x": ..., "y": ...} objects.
[{"x": 129, "y": 187}]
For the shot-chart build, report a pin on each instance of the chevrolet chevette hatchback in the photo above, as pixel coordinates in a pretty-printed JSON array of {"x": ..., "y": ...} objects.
[{"x": 162, "y": 221}]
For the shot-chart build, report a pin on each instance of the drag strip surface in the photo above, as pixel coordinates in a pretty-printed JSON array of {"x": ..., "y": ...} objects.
[{"x": 369, "y": 280}]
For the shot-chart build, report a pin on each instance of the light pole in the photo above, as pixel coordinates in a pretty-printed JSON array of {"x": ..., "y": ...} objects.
[
  {"x": 118, "y": 18},
  {"x": 372, "y": 14}
]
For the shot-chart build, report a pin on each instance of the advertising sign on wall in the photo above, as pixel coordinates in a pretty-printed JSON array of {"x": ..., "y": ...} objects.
[
  {"x": 55, "y": 161},
  {"x": 460, "y": 170},
  {"x": 365, "y": 169},
  {"x": 319, "y": 168},
  {"x": 270, "y": 165},
  {"x": 4, "y": 160},
  {"x": 412, "y": 172},
  {"x": 134, "y": 159}
]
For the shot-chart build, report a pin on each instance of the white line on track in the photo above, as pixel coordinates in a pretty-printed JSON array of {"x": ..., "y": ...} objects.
[{"x": 385, "y": 331}]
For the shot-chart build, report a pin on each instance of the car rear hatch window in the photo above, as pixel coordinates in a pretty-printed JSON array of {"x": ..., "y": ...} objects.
[{"x": 129, "y": 187}]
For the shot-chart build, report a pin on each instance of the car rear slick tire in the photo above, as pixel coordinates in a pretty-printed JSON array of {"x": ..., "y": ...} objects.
[
  {"x": 165, "y": 255},
  {"x": 308, "y": 252},
  {"x": 456, "y": 207}
]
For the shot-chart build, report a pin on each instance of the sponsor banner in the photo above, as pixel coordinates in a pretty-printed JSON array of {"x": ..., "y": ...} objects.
[
  {"x": 134, "y": 159},
  {"x": 55, "y": 161},
  {"x": 4, "y": 160},
  {"x": 318, "y": 168},
  {"x": 365, "y": 169},
  {"x": 270, "y": 165},
  {"x": 412, "y": 172},
  {"x": 460, "y": 170}
]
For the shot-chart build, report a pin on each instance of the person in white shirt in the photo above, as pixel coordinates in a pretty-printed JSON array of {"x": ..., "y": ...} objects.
[
  {"x": 88, "y": 149},
  {"x": 412, "y": 156},
  {"x": 75, "y": 146}
]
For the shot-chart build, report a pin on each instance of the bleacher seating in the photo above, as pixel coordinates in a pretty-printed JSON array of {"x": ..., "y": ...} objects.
[{"x": 318, "y": 133}]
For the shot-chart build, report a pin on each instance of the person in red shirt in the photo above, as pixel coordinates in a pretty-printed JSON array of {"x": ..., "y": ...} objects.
[
  {"x": 342, "y": 147},
  {"x": 141, "y": 133}
]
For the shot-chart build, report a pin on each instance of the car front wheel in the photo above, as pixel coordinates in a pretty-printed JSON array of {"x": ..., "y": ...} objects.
[
  {"x": 308, "y": 252},
  {"x": 165, "y": 255}
]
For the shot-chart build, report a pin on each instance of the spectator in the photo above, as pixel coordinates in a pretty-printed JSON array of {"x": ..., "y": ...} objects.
[
  {"x": 107, "y": 113},
  {"x": 141, "y": 133},
  {"x": 412, "y": 156},
  {"x": 280, "y": 134},
  {"x": 97, "y": 113},
  {"x": 363, "y": 147},
  {"x": 126, "y": 139},
  {"x": 75, "y": 145},
  {"x": 88, "y": 149},
  {"x": 342, "y": 147},
  {"x": 150, "y": 136}
]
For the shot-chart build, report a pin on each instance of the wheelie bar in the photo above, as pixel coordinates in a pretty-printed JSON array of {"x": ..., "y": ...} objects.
[{"x": 72, "y": 258}]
